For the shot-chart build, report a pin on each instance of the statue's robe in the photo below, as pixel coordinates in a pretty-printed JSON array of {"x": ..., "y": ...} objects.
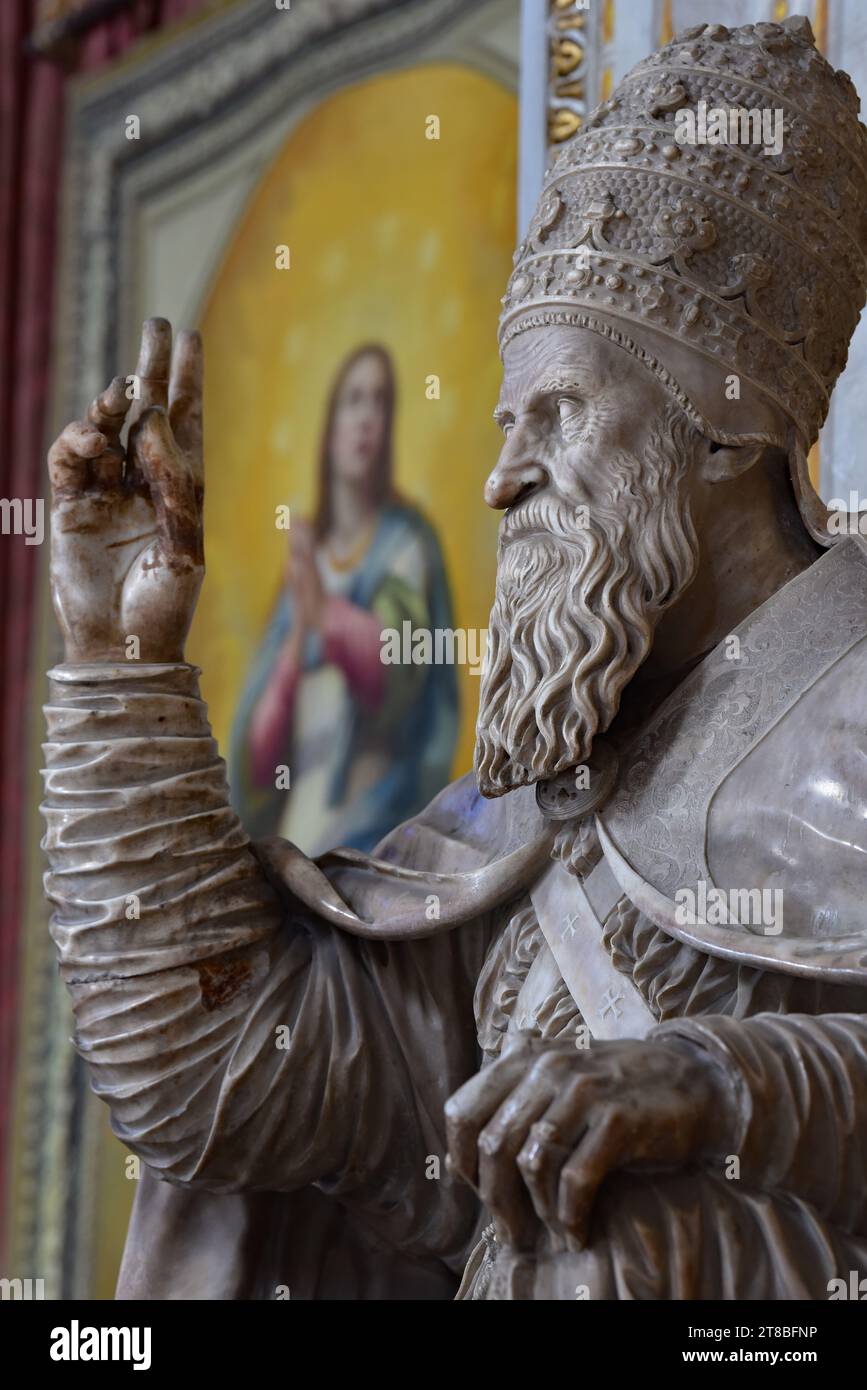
[{"x": 277, "y": 1038}]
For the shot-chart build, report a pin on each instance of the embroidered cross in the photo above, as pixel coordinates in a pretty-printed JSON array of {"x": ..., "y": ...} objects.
[
  {"x": 610, "y": 1001},
  {"x": 570, "y": 925}
]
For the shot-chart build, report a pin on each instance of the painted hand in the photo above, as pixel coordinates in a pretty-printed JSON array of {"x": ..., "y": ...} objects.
[{"x": 304, "y": 573}]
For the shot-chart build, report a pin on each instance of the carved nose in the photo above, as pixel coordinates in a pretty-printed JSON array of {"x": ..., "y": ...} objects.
[{"x": 514, "y": 474}]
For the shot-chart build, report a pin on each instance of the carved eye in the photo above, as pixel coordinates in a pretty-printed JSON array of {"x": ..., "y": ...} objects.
[
  {"x": 506, "y": 423},
  {"x": 570, "y": 412}
]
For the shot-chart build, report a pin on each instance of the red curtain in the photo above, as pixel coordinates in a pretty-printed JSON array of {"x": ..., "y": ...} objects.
[{"x": 31, "y": 139}]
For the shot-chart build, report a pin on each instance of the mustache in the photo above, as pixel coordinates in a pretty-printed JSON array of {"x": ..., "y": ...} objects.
[
  {"x": 543, "y": 549},
  {"x": 541, "y": 514}
]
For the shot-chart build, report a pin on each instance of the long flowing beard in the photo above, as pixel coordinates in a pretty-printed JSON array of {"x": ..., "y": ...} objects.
[{"x": 575, "y": 609}]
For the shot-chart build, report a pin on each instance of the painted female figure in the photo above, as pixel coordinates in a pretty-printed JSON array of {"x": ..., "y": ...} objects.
[{"x": 366, "y": 744}]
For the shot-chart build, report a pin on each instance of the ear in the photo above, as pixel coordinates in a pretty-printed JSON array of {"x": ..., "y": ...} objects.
[{"x": 723, "y": 462}]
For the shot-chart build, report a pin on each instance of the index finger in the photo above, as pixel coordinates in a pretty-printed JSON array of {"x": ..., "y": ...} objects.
[
  {"x": 108, "y": 411},
  {"x": 70, "y": 456},
  {"x": 469, "y": 1110},
  {"x": 152, "y": 368}
]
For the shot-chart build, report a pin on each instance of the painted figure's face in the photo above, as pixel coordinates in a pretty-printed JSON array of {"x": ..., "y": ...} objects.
[
  {"x": 596, "y": 541},
  {"x": 360, "y": 419}
]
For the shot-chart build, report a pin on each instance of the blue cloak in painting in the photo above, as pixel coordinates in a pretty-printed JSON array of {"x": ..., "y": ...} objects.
[{"x": 423, "y": 731}]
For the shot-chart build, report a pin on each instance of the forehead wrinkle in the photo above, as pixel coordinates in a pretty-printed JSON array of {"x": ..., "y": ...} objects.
[
  {"x": 533, "y": 366},
  {"x": 573, "y": 378},
  {"x": 563, "y": 381}
]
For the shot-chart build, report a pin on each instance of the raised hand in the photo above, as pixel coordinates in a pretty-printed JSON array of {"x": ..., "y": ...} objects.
[
  {"x": 127, "y": 558},
  {"x": 538, "y": 1131}
]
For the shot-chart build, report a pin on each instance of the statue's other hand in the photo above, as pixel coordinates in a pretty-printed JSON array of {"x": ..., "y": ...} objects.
[
  {"x": 537, "y": 1132},
  {"x": 127, "y": 557}
]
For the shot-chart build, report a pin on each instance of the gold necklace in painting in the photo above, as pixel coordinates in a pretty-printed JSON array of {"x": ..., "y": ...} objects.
[{"x": 355, "y": 555}]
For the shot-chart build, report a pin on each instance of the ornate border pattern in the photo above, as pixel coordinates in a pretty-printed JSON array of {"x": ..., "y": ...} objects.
[{"x": 567, "y": 90}]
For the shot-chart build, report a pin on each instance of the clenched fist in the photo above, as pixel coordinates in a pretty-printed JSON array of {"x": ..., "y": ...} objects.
[
  {"x": 538, "y": 1131},
  {"x": 127, "y": 558}
]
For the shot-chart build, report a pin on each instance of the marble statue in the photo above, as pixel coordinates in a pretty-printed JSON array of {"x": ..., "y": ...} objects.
[{"x": 625, "y": 1055}]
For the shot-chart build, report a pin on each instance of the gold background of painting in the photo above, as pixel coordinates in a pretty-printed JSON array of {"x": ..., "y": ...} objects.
[{"x": 392, "y": 237}]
